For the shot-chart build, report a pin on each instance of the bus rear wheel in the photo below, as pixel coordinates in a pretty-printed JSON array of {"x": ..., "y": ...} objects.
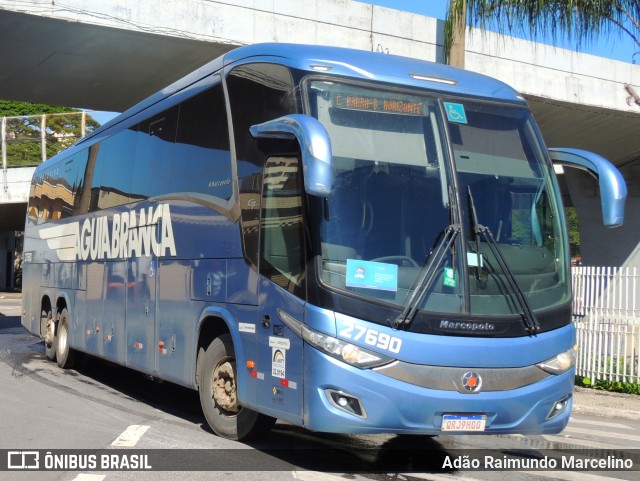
[
  {"x": 50, "y": 335},
  {"x": 64, "y": 354},
  {"x": 219, "y": 395}
]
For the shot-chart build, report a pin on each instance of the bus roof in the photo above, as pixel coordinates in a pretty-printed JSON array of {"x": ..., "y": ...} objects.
[
  {"x": 367, "y": 65},
  {"x": 359, "y": 64}
]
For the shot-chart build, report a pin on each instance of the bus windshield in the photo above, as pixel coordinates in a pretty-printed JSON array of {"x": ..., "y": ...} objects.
[
  {"x": 393, "y": 193},
  {"x": 502, "y": 173}
]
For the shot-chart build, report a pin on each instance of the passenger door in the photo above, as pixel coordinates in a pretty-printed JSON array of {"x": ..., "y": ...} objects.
[{"x": 282, "y": 288}]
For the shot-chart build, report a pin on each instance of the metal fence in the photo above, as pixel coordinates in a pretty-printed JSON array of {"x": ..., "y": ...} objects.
[
  {"x": 28, "y": 140},
  {"x": 605, "y": 313}
]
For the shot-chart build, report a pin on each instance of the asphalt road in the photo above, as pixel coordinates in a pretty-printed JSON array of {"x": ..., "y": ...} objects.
[{"x": 100, "y": 408}]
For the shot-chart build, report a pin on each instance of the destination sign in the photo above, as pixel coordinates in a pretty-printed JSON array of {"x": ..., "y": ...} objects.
[{"x": 378, "y": 104}]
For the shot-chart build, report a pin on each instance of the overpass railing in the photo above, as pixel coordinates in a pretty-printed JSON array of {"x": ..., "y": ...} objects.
[
  {"x": 28, "y": 140},
  {"x": 607, "y": 318}
]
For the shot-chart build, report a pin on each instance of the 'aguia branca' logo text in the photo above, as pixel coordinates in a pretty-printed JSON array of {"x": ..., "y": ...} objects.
[{"x": 128, "y": 234}]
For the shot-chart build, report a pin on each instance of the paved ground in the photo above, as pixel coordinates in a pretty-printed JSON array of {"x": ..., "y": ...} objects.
[
  {"x": 586, "y": 401},
  {"x": 606, "y": 404}
]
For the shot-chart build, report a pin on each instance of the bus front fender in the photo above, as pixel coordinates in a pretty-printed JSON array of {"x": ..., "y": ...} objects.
[{"x": 213, "y": 321}]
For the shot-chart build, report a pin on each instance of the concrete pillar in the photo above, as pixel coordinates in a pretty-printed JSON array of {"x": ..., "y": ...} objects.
[
  {"x": 11, "y": 255},
  {"x": 3, "y": 261}
]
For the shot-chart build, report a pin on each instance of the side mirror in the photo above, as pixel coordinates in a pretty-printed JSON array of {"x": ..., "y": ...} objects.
[
  {"x": 315, "y": 145},
  {"x": 613, "y": 189}
]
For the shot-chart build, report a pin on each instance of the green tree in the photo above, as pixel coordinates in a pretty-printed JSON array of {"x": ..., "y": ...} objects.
[
  {"x": 573, "y": 228},
  {"x": 579, "y": 21},
  {"x": 23, "y": 135}
]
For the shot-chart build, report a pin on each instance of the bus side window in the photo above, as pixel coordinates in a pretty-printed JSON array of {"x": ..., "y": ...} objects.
[
  {"x": 70, "y": 187},
  {"x": 202, "y": 163},
  {"x": 47, "y": 196},
  {"x": 154, "y": 154},
  {"x": 111, "y": 176},
  {"x": 257, "y": 92},
  {"x": 282, "y": 233},
  {"x": 34, "y": 200}
]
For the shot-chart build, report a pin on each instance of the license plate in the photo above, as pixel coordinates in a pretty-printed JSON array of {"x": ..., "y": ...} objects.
[{"x": 461, "y": 422}]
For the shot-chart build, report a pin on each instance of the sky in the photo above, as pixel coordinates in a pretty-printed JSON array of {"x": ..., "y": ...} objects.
[
  {"x": 102, "y": 117},
  {"x": 615, "y": 47}
]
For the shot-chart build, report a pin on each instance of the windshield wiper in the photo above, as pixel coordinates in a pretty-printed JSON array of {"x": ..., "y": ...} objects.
[
  {"x": 530, "y": 322},
  {"x": 423, "y": 283}
]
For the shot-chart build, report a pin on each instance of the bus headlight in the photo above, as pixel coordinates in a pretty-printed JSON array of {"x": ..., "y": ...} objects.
[
  {"x": 351, "y": 354},
  {"x": 559, "y": 364}
]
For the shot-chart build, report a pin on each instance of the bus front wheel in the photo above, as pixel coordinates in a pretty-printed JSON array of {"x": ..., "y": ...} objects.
[{"x": 219, "y": 394}]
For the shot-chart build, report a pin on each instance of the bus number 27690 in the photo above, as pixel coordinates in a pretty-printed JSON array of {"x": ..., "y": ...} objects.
[{"x": 371, "y": 337}]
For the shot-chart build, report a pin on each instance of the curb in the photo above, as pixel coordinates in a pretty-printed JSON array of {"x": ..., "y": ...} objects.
[
  {"x": 10, "y": 295},
  {"x": 607, "y": 412},
  {"x": 606, "y": 404}
]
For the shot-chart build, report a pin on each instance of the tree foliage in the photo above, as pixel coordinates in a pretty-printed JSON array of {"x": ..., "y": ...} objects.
[
  {"x": 579, "y": 21},
  {"x": 573, "y": 228},
  {"x": 24, "y": 130}
]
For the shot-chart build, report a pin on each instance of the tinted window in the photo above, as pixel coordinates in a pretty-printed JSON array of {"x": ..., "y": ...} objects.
[
  {"x": 34, "y": 200},
  {"x": 203, "y": 162},
  {"x": 54, "y": 192},
  {"x": 155, "y": 152},
  {"x": 45, "y": 194},
  {"x": 282, "y": 234},
  {"x": 72, "y": 179},
  {"x": 257, "y": 93},
  {"x": 111, "y": 181}
]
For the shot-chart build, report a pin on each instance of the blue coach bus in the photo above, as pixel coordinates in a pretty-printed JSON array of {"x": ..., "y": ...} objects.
[{"x": 344, "y": 240}]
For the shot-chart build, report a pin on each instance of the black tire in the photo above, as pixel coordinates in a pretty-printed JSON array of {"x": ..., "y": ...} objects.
[
  {"x": 199, "y": 359},
  {"x": 50, "y": 338},
  {"x": 220, "y": 406},
  {"x": 64, "y": 354}
]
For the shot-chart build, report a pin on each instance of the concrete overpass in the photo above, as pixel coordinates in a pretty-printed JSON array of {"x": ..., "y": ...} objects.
[{"x": 107, "y": 55}]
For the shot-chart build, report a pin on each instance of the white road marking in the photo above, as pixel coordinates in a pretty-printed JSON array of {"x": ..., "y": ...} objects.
[
  {"x": 319, "y": 476},
  {"x": 628, "y": 437},
  {"x": 439, "y": 477},
  {"x": 315, "y": 476},
  {"x": 130, "y": 436},
  {"x": 89, "y": 477},
  {"x": 576, "y": 442},
  {"x": 599, "y": 423}
]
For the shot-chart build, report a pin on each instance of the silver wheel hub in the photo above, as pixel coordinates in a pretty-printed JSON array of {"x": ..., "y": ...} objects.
[
  {"x": 62, "y": 340},
  {"x": 48, "y": 335}
]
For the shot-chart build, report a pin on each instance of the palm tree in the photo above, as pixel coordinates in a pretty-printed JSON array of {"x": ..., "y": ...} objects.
[{"x": 576, "y": 20}]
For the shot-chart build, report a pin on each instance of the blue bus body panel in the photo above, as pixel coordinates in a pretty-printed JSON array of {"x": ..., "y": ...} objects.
[
  {"x": 277, "y": 379},
  {"x": 394, "y": 406}
]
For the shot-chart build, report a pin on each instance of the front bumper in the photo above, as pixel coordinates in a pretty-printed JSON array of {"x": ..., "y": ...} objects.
[{"x": 393, "y": 406}]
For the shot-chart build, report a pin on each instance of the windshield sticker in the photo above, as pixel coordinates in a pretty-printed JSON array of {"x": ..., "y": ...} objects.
[
  {"x": 372, "y": 275},
  {"x": 455, "y": 112},
  {"x": 449, "y": 277},
  {"x": 474, "y": 260}
]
